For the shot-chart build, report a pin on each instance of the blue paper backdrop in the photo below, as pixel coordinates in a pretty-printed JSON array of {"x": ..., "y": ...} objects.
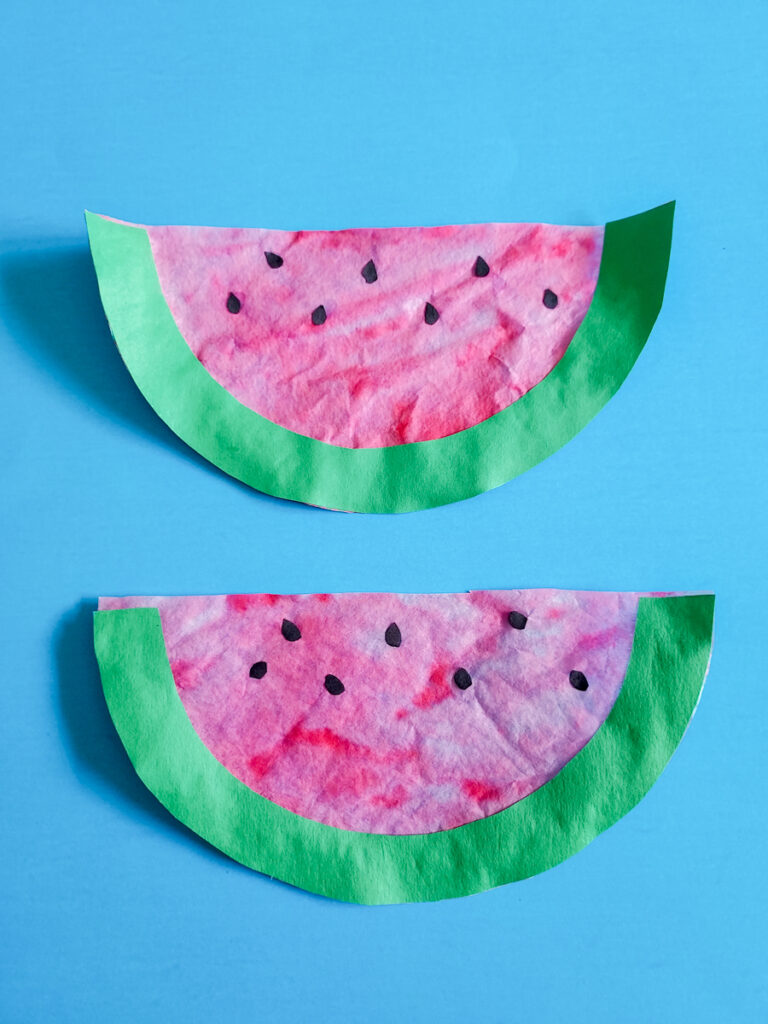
[{"x": 340, "y": 114}]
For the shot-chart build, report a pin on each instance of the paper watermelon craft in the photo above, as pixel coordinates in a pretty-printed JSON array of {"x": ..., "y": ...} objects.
[
  {"x": 383, "y": 748},
  {"x": 380, "y": 370}
]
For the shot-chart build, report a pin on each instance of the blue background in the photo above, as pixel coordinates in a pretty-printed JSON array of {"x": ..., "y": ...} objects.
[{"x": 334, "y": 115}]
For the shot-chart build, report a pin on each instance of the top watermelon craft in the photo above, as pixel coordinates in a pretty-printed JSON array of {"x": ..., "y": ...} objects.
[{"x": 380, "y": 370}]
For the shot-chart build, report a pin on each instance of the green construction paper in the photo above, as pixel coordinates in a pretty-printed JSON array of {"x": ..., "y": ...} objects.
[
  {"x": 398, "y": 478},
  {"x": 669, "y": 660}
]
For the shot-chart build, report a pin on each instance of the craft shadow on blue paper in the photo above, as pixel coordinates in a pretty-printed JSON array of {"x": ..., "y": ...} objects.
[
  {"x": 95, "y": 748},
  {"x": 52, "y": 308}
]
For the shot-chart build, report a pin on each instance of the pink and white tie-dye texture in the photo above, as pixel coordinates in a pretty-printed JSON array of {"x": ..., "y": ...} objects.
[
  {"x": 375, "y": 373},
  {"x": 403, "y": 749}
]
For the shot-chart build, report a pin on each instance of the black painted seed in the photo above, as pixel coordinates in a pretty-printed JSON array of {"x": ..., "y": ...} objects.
[
  {"x": 392, "y": 635},
  {"x": 481, "y": 267},
  {"x": 259, "y": 670},
  {"x": 431, "y": 316},
  {"x": 273, "y": 260},
  {"x": 233, "y": 303},
  {"x": 369, "y": 272},
  {"x": 517, "y": 620},
  {"x": 334, "y": 685},
  {"x": 549, "y": 299},
  {"x": 290, "y": 630},
  {"x": 578, "y": 680},
  {"x": 318, "y": 315},
  {"x": 462, "y": 678}
]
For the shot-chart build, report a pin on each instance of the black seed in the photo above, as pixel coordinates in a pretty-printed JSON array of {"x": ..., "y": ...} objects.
[
  {"x": 462, "y": 678},
  {"x": 290, "y": 630},
  {"x": 233, "y": 303},
  {"x": 517, "y": 620},
  {"x": 259, "y": 670},
  {"x": 549, "y": 299},
  {"x": 318, "y": 315},
  {"x": 273, "y": 260},
  {"x": 334, "y": 685},
  {"x": 392, "y": 635},
  {"x": 481, "y": 267},
  {"x": 578, "y": 680},
  {"x": 431, "y": 316},
  {"x": 369, "y": 272}
]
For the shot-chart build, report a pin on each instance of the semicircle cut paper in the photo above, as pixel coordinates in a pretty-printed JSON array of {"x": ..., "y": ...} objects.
[
  {"x": 387, "y": 748},
  {"x": 380, "y": 370}
]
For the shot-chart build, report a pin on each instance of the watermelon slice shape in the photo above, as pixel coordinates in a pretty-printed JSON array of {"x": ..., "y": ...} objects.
[
  {"x": 380, "y": 370},
  {"x": 383, "y": 748}
]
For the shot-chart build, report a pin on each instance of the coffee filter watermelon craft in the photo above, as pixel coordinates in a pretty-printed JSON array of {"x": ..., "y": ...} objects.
[
  {"x": 380, "y": 370},
  {"x": 385, "y": 748}
]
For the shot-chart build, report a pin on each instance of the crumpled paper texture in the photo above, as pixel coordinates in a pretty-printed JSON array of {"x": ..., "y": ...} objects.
[
  {"x": 398, "y": 477},
  {"x": 403, "y": 750},
  {"x": 603, "y": 781},
  {"x": 374, "y": 373}
]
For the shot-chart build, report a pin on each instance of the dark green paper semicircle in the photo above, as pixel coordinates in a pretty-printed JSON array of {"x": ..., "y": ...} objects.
[
  {"x": 669, "y": 660},
  {"x": 398, "y": 478}
]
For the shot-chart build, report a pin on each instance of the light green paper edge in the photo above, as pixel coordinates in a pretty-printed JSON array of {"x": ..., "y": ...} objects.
[
  {"x": 666, "y": 672},
  {"x": 398, "y": 478}
]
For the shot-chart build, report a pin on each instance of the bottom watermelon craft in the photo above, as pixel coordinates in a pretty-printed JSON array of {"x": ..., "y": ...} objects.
[{"x": 385, "y": 748}]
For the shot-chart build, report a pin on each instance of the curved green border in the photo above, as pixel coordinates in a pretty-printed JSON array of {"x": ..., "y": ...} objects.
[
  {"x": 670, "y": 655},
  {"x": 399, "y": 478}
]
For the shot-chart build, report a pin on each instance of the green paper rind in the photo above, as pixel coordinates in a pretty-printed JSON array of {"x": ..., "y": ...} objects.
[
  {"x": 398, "y": 478},
  {"x": 666, "y": 672}
]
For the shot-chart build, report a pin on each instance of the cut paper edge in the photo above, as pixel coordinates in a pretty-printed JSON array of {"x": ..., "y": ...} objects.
[
  {"x": 397, "y": 478},
  {"x": 668, "y": 664}
]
